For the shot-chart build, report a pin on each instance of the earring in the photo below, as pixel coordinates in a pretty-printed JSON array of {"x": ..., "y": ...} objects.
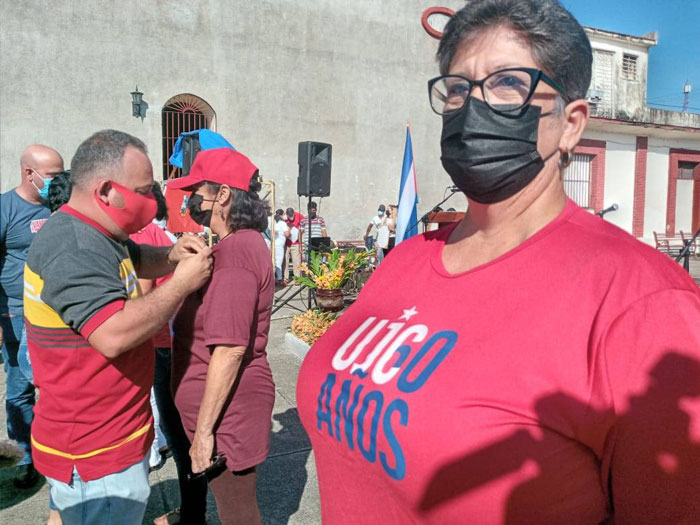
[{"x": 565, "y": 159}]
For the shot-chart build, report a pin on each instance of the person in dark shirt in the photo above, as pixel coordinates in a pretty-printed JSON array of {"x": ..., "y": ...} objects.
[
  {"x": 23, "y": 212},
  {"x": 59, "y": 191}
]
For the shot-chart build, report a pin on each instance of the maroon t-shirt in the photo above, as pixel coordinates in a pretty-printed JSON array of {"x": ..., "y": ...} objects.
[{"x": 233, "y": 309}]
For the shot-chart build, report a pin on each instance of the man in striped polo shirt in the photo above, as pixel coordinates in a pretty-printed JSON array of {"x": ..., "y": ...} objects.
[
  {"x": 318, "y": 225},
  {"x": 89, "y": 331}
]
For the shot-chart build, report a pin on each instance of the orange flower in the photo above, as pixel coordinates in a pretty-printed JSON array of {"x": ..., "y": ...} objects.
[{"x": 311, "y": 325}]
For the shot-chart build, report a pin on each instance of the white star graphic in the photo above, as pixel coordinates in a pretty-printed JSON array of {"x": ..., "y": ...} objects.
[{"x": 407, "y": 314}]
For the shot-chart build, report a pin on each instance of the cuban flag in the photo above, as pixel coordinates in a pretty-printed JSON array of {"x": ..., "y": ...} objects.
[{"x": 407, "y": 220}]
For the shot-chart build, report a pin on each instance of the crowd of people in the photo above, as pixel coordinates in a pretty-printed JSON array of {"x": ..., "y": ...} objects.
[
  {"x": 292, "y": 232},
  {"x": 127, "y": 331},
  {"x": 530, "y": 363}
]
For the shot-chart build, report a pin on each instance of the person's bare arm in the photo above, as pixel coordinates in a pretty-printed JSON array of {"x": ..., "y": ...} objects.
[
  {"x": 221, "y": 374},
  {"x": 324, "y": 233},
  {"x": 157, "y": 261},
  {"x": 140, "y": 318},
  {"x": 369, "y": 229}
]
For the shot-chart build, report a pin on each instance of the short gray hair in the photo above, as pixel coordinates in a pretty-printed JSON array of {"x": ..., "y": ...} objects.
[
  {"x": 557, "y": 41},
  {"x": 101, "y": 152}
]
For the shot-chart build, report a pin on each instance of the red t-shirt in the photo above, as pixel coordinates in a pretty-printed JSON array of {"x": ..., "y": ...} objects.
[
  {"x": 93, "y": 413},
  {"x": 294, "y": 223},
  {"x": 542, "y": 387},
  {"x": 155, "y": 236},
  {"x": 232, "y": 309}
]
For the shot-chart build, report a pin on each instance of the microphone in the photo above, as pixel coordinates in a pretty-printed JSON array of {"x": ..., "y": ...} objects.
[
  {"x": 453, "y": 189},
  {"x": 613, "y": 207}
]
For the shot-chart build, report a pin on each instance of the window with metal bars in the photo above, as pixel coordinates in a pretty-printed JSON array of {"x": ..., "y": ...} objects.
[
  {"x": 577, "y": 180},
  {"x": 685, "y": 170},
  {"x": 183, "y": 113},
  {"x": 629, "y": 66}
]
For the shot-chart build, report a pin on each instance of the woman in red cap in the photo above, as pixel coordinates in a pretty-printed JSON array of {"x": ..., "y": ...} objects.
[{"x": 222, "y": 383}]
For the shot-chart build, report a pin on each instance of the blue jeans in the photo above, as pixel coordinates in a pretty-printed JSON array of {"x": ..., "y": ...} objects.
[
  {"x": 118, "y": 498},
  {"x": 19, "y": 403},
  {"x": 25, "y": 364}
]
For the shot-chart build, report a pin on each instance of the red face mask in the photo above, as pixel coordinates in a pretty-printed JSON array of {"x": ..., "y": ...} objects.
[{"x": 137, "y": 212}]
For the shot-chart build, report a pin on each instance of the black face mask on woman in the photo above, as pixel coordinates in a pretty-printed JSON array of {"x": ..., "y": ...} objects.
[
  {"x": 200, "y": 216},
  {"x": 490, "y": 156}
]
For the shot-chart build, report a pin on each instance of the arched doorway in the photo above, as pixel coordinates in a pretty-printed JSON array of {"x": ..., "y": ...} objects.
[{"x": 184, "y": 112}]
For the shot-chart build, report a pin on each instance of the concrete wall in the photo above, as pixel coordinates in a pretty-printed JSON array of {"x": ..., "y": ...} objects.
[
  {"x": 684, "y": 205},
  {"x": 656, "y": 188},
  {"x": 276, "y": 73},
  {"x": 672, "y": 118},
  {"x": 657, "y": 185},
  {"x": 620, "y": 176},
  {"x": 629, "y": 97}
]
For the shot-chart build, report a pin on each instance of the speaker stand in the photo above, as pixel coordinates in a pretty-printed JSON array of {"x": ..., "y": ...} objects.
[
  {"x": 283, "y": 300},
  {"x": 312, "y": 292}
]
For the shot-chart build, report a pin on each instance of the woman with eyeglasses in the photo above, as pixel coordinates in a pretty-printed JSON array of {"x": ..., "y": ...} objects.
[{"x": 531, "y": 363}]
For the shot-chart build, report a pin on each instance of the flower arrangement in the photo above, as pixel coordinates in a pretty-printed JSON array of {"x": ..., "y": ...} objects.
[
  {"x": 330, "y": 271},
  {"x": 312, "y": 324}
]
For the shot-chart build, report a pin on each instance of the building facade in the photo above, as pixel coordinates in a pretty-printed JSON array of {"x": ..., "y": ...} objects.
[
  {"x": 272, "y": 73},
  {"x": 266, "y": 74},
  {"x": 645, "y": 160}
]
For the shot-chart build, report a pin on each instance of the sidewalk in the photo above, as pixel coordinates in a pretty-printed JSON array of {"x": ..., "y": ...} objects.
[{"x": 287, "y": 486}]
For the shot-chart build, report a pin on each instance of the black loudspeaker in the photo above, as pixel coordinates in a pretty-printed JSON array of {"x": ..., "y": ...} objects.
[
  {"x": 314, "y": 169},
  {"x": 190, "y": 148}
]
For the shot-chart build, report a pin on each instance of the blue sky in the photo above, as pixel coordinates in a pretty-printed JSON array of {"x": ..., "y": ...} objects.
[{"x": 676, "y": 57}]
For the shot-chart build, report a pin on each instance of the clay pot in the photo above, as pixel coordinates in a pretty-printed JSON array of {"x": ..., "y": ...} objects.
[{"x": 329, "y": 300}]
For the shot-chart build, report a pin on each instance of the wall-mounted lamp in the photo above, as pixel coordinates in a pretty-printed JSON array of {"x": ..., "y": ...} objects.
[{"x": 138, "y": 106}]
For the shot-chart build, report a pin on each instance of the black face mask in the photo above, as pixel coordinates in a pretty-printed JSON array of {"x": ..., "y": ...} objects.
[
  {"x": 200, "y": 216},
  {"x": 489, "y": 156}
]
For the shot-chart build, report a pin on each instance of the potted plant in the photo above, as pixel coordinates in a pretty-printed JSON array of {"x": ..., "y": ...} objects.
[
  {"x": 328, "y": 272},
  {"x": 311, "y": 325}
]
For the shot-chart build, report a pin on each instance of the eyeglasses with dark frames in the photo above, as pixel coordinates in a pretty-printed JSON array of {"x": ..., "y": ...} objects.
[{"x": 505, "y": 91}]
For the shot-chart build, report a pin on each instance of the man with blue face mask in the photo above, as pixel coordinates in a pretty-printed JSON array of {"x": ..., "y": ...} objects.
[{"x": 23, "y": 211}]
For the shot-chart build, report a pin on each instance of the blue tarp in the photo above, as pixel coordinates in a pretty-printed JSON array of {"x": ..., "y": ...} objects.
[{"x": 207, "y": 140}]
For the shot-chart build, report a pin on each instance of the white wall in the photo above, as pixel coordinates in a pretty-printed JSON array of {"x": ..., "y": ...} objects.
[
  {"x": 619, "y": 175},
  {"x": 684, "y": 205},
  {"x": 629, "y": 96},
  {"x": 619, "y": 179},
  {"x": 657, "y": 186},
  {"x": 275, "y": 71},
  {"x": 656, "y": 189}
]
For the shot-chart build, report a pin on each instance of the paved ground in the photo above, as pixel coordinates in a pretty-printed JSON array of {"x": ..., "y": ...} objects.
[{"x": 287, "y": 487}]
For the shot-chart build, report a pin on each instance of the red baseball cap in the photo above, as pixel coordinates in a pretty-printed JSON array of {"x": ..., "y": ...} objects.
[{"x": 218, "y": 165}]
